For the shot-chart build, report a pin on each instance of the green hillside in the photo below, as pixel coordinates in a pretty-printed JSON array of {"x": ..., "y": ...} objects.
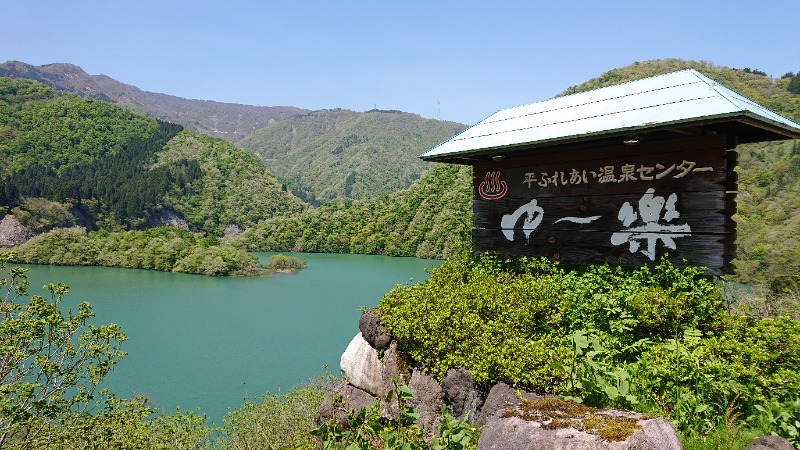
[
  {"x": 336, "y": 154},
  {"x": 70, "y": 161},
  {"x": 430, "y": 219},
  {"x": 122, "y": 169},
  {"x": 235, "y": 188},
  {"x": 229, "y": 121}
]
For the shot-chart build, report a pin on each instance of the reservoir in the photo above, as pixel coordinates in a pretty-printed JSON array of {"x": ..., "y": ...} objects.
[{"x": 211, "y": 342}]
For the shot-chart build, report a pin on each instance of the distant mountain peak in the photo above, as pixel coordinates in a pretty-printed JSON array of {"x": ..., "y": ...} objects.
[{"x": 230, "y": 121}]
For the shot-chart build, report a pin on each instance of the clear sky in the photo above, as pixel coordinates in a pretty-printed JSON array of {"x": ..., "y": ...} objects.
[{"x": 459, "y": 61}]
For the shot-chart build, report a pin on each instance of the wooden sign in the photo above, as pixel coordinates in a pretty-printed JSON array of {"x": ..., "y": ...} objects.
[{"x": 625, "y": 205}]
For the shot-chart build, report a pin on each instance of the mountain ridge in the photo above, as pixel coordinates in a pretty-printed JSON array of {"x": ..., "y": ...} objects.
[{"x": 230, "y": 121}]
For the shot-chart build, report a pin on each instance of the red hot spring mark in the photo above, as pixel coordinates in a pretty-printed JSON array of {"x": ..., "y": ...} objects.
[{"x": 492, "y": 187}]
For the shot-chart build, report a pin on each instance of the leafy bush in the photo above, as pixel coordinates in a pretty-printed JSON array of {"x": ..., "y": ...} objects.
[
  {"x": 656, "y": 339},
  {"x": 276, "y": 421},
  {"x": 51, "y": 366},
  {"x": 695, "y": 378},
  {"x": 51, "y": 363},
  {"x": 512, "y": 321},
  {"x": 283, "y": 263}
]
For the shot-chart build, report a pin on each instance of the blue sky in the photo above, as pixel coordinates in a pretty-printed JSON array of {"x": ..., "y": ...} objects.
[{"x": 459, "y": 61}]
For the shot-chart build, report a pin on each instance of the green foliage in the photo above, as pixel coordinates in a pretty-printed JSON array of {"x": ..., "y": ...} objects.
[
  {"x": 121, "y": 168},
  {"x": 782, "y": 417},
  {"x": 51, "y": 367},
  {"x": 368, "y": 430},
  {"x": 229, "y": 121},
  {"x": 131, "y": 424},
  {"x": 50, "y": 362},
  {"x": 768, "y": 225},
  {"x": 596, "y": 380},
  {"x": 63, "y": 131},
  {"x": 655, "y": 339},
  {"x": 513, "y": 321},
  {"x": 335, "y": 154},
  {"x": 278, "y": 263},
  {"x": 276, "y": 421},
  {"x": 160, "y": 248},
  {"x": 696, "y": 376},
  {"x": 40, "y": 215},
  {"x": 794, "y": 84},
  {"x": 234, "y": 187},
  {"x": 431, "y": 219}
]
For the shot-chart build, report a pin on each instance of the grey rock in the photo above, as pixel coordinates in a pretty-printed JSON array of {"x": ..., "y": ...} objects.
[
  {"x": 770, "y": 443},
  {"x": 361, "y": 366},
  {"x": 512, "y": 433},
  {"x": 170, "y": 218},
  {"x": 428, "y": 402},
  {"x": 365, "y": 370},
  {"x": 373, "y": 331},
  {"x": 12, "y": 232},
  {"x": 464, "y": 395},
  {"x": 500, "y": 397},
  {"x": 342, "y": 402},
  {"x": 231, "y": 231}
]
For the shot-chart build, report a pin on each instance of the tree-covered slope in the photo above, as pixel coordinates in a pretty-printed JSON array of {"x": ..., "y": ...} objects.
[
  {"x": 87, "y": 153},
  {"x": 122, "y": 169},
  {"x": 430, "y": 219},
  {"x": 336, "y": 154},
  {"x": 235, "y": 188},
  {"x": 229, "y": 121}
]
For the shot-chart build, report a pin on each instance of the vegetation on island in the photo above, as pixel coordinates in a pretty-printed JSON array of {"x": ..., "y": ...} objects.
[
  {"x": 284, "y": 263},
  {"x": 161, "y": 248}
]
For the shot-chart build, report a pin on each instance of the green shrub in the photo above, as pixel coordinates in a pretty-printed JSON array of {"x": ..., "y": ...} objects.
[
  {"x": 282, "y": 263},
  {"x": 276, "y": 421},
  {"x": 52, "y": 364},
  {"x": 656, "y": 339},
  {"x": 512, "y": 321},
  {"x": 693, "y": 379}
]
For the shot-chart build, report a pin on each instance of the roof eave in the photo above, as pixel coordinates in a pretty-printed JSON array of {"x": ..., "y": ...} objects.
[{"x": 746, "y": 117}]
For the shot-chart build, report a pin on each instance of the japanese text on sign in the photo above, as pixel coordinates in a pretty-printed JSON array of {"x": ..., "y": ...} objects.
[{"x": 613, "y": 174}]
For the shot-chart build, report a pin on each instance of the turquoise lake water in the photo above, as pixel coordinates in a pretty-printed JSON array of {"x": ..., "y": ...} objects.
[{"x": 210, "y": 342}]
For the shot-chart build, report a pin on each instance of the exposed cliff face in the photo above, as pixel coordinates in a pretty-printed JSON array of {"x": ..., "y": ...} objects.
[{"x": 12, "y": 232}]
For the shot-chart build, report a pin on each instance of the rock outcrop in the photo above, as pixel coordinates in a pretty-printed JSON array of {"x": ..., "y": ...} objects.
[
  {"x": 373, "y": 364},
  {"x": 770, "y": 443},
  {"x": 170, "y": 218},
  {"x": 12, "y": 232}
]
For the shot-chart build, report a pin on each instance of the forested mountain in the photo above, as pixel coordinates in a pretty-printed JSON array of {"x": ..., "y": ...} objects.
[
  {"x": 122, "y": 170},
  {"x": 336, "y": 154},
  {"x": 117, "y": 169},
  {"x": 229, "y": 121},
  {"x": 430, "y": 219}
]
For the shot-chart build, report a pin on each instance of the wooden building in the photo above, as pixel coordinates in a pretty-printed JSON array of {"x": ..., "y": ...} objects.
[{"x": 623, "y": 174}]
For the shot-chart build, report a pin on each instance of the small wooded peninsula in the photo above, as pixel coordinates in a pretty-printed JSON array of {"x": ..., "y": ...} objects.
[{"x": 88, "y": 179}]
